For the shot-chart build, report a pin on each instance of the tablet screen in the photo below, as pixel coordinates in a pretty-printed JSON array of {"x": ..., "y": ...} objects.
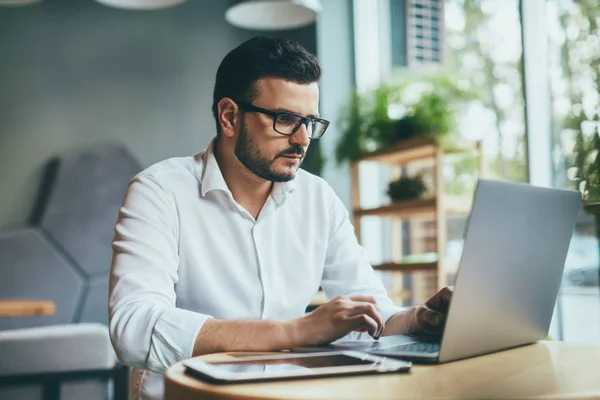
[
  {"x": 289, "y": 364},
  {"x": 281, "y": 366}
]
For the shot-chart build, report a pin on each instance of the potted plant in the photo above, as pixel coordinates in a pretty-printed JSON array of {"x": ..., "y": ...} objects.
[
  {"x": 584, "y": 171},
  {"x": 591, "y": 195},
  {"x": 423, "y": 106},
  {"x": 407, "y": 188},
  {"x": 584, "y": 162}
]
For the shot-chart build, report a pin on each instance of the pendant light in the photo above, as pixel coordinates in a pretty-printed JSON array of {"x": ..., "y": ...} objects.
[
  {"x": 17, "y": 2},
  {"x": 140, "y": 4},
  {"x": 266, "y": 15}
]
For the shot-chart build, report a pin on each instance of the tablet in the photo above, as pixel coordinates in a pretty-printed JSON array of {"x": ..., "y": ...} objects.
[{"x": 293, "y": 366}]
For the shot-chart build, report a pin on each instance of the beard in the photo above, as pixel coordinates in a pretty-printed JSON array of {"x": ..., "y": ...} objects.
[{"x": 252, "y": 157}]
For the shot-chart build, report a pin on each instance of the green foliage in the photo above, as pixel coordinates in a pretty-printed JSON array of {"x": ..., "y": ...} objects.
[
  {"x": 584, "y": 161},
  {"x": 381, "y": 127},
  {"x": 461, "y": 175},
  {"x": 513, "y": 168},
  {"x": 593, "y": 178},
  {"x": 580, "y": 155},
  {"x": 580, "y": 65},
  {"x": 432, "y": 111},
  {"x": 353, "y": 123},
  {"x": 407, "y": 188},
  {"x": 422, "y": 106}
]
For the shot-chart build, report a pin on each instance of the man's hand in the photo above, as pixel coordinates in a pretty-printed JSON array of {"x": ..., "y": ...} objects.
[
  {"x": 341, "y": 316},
  {"x": 327, "y": 323},
  {"x": 428, "y": 318}
]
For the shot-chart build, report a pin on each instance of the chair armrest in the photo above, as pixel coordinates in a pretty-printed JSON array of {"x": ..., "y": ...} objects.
[{"x": 70, "y": 347}]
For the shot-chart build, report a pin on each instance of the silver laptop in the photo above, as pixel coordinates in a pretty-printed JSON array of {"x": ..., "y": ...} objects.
[{"x": 515, "y": 247}]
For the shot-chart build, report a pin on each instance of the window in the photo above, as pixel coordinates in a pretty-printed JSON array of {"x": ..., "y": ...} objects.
[
  {"x": 475, "y": 44},
  {"x": 481, "y": 48},
  {"x": 416, "y": 27},
  {"x": 484, "y": 50},
  {"x": 573, "y": 57},
  {"x": 423, "y": 26}
]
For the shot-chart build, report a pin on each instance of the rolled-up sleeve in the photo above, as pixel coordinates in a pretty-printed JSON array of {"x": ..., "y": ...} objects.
[
  {"x": 347, "y": 268},
  {"x": 146, "y": 329}
]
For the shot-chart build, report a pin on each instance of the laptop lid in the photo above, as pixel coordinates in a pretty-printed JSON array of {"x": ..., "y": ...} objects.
[{"x": 511, "y": 267}]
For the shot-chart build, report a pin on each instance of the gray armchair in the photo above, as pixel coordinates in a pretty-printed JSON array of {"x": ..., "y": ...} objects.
[
  {"x": 70, "y": 362},
  {"x": 65, "y": 257}
]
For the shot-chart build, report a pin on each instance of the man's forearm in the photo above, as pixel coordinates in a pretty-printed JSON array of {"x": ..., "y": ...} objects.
[{"x": 247, "y": 335}]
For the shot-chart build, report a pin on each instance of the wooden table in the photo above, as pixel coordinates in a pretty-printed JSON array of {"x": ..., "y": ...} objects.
[
  {"x": 545, "y": 370},
  {"x": 26, "y": 308}
]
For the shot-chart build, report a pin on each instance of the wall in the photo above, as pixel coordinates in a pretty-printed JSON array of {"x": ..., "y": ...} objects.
[
  {"x": 74, "y": 73},
  {"x": 335, "y": 47}
]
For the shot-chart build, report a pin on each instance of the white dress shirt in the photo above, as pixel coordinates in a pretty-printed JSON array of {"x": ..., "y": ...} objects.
[{"x": 184, "y": 251}]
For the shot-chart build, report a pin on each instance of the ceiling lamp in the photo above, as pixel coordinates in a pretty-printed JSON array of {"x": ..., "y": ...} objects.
[
  {"x": 266, "y": 15},
  {"x": 140, "y": 4},
  {"x": 17, "y": 2}
]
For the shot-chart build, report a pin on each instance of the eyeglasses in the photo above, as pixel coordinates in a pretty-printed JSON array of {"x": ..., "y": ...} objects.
[{"x": 287, "y": 123}]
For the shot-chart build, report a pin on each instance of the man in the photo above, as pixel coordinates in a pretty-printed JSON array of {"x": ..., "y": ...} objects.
[{"x": 223, "y": 251}]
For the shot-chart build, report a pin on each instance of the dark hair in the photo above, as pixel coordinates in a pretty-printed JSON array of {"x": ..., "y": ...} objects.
[{"x": 262, "y": 57}]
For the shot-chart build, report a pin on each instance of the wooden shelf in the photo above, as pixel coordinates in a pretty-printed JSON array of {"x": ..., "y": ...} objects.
[
  {"x": 415, "y": 149},
  {"x": 407, "y": 267},
  {"x": 26, "y": 308},
  {"x": 410, "y": 157},
  {"x": 417, "y": 208},
  {"x": 403, "y": 209}
]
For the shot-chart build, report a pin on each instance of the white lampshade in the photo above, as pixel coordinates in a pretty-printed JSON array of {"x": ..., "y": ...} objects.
[
  {"x": 140, "y": 4},
  {"x": 272, "y": 14},
  {"x": 17, "y": 2}
]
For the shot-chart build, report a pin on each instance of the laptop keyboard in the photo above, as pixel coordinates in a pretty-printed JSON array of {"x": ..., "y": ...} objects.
[{"x": 421, "y": 347}]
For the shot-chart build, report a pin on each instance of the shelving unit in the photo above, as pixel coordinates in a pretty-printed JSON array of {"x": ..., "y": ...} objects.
[{"x": 440, "y": 207}]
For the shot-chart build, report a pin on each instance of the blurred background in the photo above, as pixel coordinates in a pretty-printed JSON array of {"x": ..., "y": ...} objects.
[{"x": 424, "y": 96}]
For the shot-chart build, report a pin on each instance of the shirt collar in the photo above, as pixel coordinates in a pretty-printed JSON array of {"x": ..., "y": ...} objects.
[{"x": 212, "y": 179}]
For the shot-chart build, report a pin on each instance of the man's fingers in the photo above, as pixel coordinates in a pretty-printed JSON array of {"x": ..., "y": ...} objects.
[
  {"x": 363, "y": 322},
  {"x": 441, "y": 300},
  {"x": 447, "y": 293},
  {"x": 430, "y": 321},
  {"x": 372, "y": 311},
  {"x": 357, "y": 305}
]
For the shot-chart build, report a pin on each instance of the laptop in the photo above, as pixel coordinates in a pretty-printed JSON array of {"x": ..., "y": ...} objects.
[{"x": 515, "y": 246}]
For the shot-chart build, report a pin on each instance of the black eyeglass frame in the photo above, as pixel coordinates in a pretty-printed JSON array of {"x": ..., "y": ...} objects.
[{"x": 275, "y": 114}]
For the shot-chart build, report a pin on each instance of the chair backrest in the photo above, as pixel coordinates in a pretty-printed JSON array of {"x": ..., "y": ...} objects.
[{"x": 65, "y": 256}]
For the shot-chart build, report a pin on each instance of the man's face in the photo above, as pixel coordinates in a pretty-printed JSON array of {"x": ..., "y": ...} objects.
[{"x": 263, "y": 151}]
